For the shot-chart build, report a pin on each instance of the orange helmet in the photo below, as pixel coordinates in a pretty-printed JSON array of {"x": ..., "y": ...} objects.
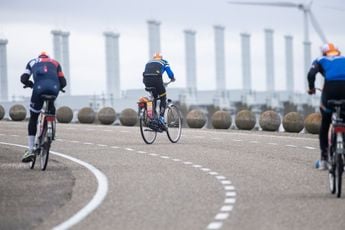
[
  {"x": 157, "y": 56},
  {"x": 329, "y": 49},
  {"x": 43, "y": 54}
]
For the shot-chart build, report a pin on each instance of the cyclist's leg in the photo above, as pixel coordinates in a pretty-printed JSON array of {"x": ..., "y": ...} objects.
[
  {"x": 35, "y": 107},
  {"x": 323, "y": 136}
]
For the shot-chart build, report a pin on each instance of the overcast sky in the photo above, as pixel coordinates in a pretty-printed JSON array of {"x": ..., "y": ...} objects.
[{"x": 27, "y": 26}]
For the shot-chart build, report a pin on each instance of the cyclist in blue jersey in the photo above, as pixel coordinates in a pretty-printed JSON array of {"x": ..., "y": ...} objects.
[
  {"x": 153, "y": 77},
  {"x": 48, "y": 78},
  {"x": 331, "y": 65}
]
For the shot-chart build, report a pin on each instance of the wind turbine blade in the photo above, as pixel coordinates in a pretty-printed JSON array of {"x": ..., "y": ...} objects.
[
  {"x": 317, "y": 27},
  {"x": 279, "y": 4}
]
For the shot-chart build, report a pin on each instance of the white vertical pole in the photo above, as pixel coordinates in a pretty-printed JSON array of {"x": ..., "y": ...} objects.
[
  {"x": 246, "y": 62},
  {"x": 154, "y": 37},
  {"x": 269, "y": 61},
  {"x": 112, "y": 64},
  {"x": 191, "y": 62},
  {"x": 65, "y": 60},
  {"x": 3, "y": 70},
  {"x": 289, "y": 64},
  {"x": 220, "y": 58}
]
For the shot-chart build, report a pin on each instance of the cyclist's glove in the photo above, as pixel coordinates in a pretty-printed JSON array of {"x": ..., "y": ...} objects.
[
  {"x": 311, "y": 91},
  {"x": 29, "y": 84},
  {"x": 173, "y": 79}
]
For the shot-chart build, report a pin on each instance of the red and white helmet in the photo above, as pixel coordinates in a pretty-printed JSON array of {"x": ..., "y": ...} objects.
[{"x": 329, "y": 49}]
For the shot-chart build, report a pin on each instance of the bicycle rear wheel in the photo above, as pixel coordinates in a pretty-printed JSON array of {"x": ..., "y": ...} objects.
[
  {"x": 173, "y": 119},
  {"x": 45, "y": 147},
  {"x": 148, "y": 135},
  {"x": 339, "y": 168}
]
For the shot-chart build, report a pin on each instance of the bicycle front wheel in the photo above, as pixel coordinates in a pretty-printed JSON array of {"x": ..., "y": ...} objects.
[
  {"x": 173, "y": 119},
  {"x": 45, "y": 147},
  {"x": 148, "y": 135}
]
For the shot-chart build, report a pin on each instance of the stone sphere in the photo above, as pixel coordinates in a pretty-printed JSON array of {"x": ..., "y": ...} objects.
[
  {"x": 2, "y": 112},
  {"x": 128, "y": 117},
  {"x": 269, "y": 121},
  {"x": 86, "y": 115},
  {"x": 245, "y": 120},
  {"x": 221, "y": 120},
  {"x": 312, "y": 123},
  {"x": 64, "y": 114},
  {"x": 107, "y": 116},
  {"x": 196, "y": 119},
  {"x": 293, "y": 122},
  {"x": 17, "y": 112}
]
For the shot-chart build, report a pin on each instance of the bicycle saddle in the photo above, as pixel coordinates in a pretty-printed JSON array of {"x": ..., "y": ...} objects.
[{"x": 48, "y": 97}]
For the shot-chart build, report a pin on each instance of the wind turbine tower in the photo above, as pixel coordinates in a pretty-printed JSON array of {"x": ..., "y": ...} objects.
[{"x": 307, "y": 14}]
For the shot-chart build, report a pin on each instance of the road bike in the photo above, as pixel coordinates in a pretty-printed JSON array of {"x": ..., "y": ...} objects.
[
  {"x": 149, "y": 118},
  {"x": 45, "y": 131},
  {"x": 336, "y": 151}
]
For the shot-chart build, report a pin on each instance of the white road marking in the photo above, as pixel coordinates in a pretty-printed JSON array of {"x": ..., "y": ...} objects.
[
  {"x": 74, "y": 141},
  {"x": 205, "y": 169},
  {"x": 115, "y": 147},
  {"x": 229, "y": 200},
  {"x": 165, "y": 157},
  {"x": 225, "y": 182},
  {"x": 272, "y": 143},
  {"x": 230, "y": 194},
  {"x": 96, "y": 200},
  {"x": 213, "y": 173},
  {"x": 221, "y": 216},
  {"x": 221, "y": 177},
  {"x": 215, "y": 225},
  {"x": 197, "y": 166},
  {"x": 176, "y": 160},
  {"x": 229, "y": 188},
  {"x": 153, "y": 154},
  {"x": 141, "y": 152},
  {"x": 129, "y": 149},
  {"x": 308, "y": 147},
  {"x": 293, "y": 146},
  {"x": 14, "y": 135},
  {"x": 226, "y": 208},
  {"x": 237, "y": 140},
  {"x": 187, "y": 163},
  {"x": 88, "y": 143},
  {"x": 102, "y": 145}
]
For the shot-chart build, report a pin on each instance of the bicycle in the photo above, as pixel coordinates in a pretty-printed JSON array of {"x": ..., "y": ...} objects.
[
  {"x": 336, "y": 151},
  {"x": 45, "y": 131},
  {"x": 149, "y": 119}
]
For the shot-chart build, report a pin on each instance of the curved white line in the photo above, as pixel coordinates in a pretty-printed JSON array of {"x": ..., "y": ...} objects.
[{"x": 96, "y": 200}]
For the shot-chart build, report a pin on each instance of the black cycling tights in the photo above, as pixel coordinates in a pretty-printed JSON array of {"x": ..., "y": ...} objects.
[
  {"x": 162, "y": 105},
  {"x": 32, "y": 128}
]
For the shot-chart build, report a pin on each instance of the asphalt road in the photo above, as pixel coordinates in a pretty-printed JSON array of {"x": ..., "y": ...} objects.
[{"x": 209, "y": 180}]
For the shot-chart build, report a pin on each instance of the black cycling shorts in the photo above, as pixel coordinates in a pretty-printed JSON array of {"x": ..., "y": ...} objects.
[{"x": 157, "y": 82}]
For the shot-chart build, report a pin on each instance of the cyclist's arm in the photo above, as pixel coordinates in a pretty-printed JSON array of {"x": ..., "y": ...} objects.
[
  {"x": 169, "y": 71},
  {"x": 24, "y": 78},
  {"x": 315, "y": 68},
  {"x": 61, "y": 76}
]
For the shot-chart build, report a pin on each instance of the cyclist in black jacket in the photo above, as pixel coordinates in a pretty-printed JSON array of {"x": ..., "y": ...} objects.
[
  {"x": 153, "y": 77},
  {"x": 48, "y": 78}
]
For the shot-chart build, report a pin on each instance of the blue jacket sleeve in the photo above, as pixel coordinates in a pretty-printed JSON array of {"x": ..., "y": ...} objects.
[{"x": 168, "y": 70}]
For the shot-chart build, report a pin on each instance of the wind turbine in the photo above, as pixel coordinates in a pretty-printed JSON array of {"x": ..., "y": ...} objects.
[{"x": 307, "y": 13}]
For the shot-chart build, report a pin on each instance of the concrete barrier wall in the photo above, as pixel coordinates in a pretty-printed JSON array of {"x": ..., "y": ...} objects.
[{"x": 196, "y": 118}]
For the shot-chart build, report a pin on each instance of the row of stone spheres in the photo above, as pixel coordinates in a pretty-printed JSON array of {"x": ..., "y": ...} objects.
[{"x": 244, "y": 119}]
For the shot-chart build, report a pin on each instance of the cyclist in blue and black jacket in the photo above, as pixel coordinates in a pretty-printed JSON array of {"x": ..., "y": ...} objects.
[
  {"x": 332, "y": 67},
  {"x": 48, "y": 78},
  {"x": 153, "y": 77}
]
